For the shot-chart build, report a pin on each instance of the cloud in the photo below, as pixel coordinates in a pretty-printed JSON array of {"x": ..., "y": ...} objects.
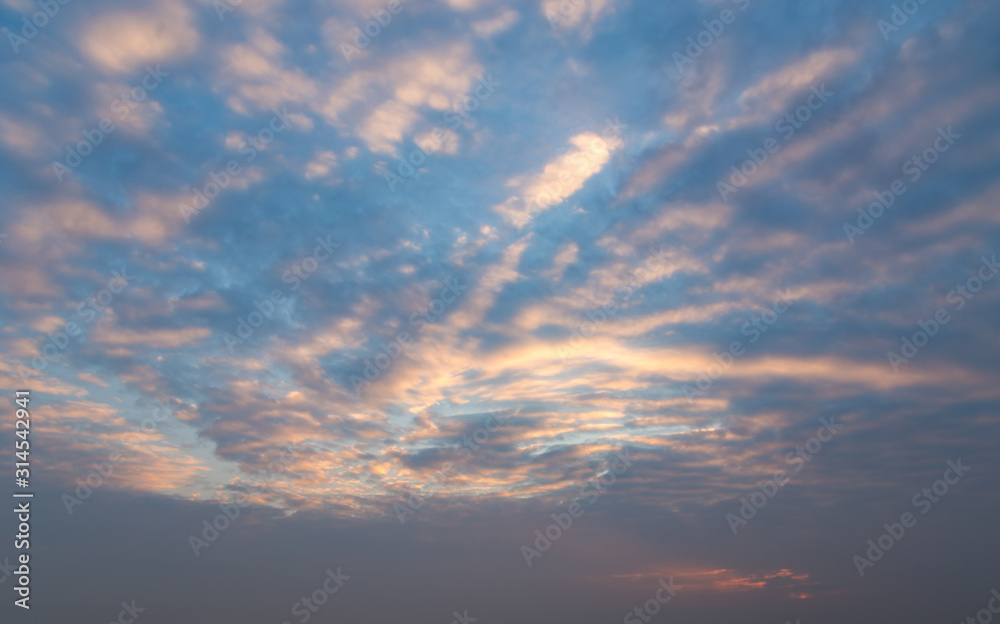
[
  {"x": 501, "y": 22},
  {"x": 581, "y": 15},
  {"x": 122, "y": 42},
  {"x": 560, "y": 179},
  {"x": 387, "y": 126},
  {"x": 596, "y": 277}
]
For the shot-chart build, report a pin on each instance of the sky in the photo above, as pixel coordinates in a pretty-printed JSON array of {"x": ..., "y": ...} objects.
[{"x": 453, "y": 311}]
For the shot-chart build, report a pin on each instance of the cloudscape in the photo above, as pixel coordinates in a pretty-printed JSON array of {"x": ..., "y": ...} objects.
[{"x": 471, "y": 311}]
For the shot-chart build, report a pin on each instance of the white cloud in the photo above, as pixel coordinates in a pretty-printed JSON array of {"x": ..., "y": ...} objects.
[
  {"x": 437, "y": 79},
  {"x": 124, "y": 41},
  {"x": 580, "y": 15},
  {"x": 463, "y": 5},
  {"x": 489, "y": 27},
  {"x": 560, "y": 179},
  {"x": 320, "y": 165},
  {"x": 21, "y": 137},
  {"x": 387, "y": 126},
  {"x": 772, "y": 92},
  {"x": 444, "y": 141},
  {"x": 258, "y": 77}
]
